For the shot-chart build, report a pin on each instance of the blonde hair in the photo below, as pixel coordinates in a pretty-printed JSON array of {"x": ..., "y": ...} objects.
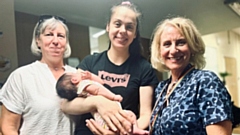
[
  {"x": 40, "y": 28},
  {"x": 194, "y": 40}
]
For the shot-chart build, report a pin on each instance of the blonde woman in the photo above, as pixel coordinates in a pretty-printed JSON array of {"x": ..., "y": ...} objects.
[{"x": 192, "y": 101}]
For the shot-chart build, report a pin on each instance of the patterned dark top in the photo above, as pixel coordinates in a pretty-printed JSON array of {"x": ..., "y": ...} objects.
[{"x": 200, "y": 99}]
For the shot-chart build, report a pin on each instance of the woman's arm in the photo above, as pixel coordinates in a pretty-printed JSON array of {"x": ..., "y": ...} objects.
[
  {"x": 96, "y": 129},
  {"x": 146, "y": 95},
  {"x": 10, "y": 122},
  {"x": 220, "y": 128},
  {"x": 99, "y": 130},
  {"x": 79, "y": 105},
  {"x": 109, "y": 110}
]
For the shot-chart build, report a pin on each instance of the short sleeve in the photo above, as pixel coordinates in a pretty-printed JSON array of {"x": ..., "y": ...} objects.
[
  {"x": 12, "y": 96},
  {"x": 86, "y": 63},
  {"x": 213, "y": 99},
  {"x": 148, "y": 75}
]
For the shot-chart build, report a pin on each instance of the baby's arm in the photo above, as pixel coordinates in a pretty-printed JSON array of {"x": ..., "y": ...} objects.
[
  {"x": 95, "y": 77},
  {"x": 90, "y": 76},
  {"x": 136, "y": 129},
  {"x": 92, "y": 84},
  {"x": 95, "y": 88}
]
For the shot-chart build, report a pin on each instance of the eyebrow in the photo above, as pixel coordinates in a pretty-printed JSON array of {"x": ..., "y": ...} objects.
[{"x": 116, "y": 19}]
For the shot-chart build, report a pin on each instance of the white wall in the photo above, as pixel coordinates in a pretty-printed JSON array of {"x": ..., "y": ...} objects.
[
  {"x": 103, "y": 41},
  {"x": 225, "y": 43},
  {"x": 98, "y": 39}
]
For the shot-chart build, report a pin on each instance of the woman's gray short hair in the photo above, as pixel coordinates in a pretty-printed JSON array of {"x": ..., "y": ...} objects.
[{"x": 40, "y": 28}]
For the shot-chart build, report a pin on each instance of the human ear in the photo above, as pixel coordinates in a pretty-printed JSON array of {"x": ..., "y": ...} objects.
[
  {"x": 37, "y": 42},
  {"x": 75, "y": 80}
]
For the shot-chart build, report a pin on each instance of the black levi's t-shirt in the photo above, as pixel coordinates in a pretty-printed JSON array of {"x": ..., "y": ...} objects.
[{"x": 124, "y": 80}]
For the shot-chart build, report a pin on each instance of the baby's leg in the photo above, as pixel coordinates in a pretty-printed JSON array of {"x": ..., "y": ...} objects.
[{"x": 98, "y": 118}]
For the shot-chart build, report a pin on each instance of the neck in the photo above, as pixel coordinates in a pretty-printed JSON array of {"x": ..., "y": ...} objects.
[
  {"x": 177, "y": 74},
  {"x": 117, "y": 57},
  {"x": 56, "y": 66}
]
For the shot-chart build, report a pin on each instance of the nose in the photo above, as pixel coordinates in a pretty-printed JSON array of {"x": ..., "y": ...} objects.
[
  {"x": 122, "y": 29},
  {"x": 174, "y": 48},
  {"x": 55, "y": 40}
]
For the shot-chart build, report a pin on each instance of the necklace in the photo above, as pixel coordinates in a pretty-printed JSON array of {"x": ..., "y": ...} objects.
[
  {"x": 170, "y": 88},
  {"x": 158, "y": 109},
  {"x": 169, "y": 91},
  {"x": 56, "y": 69},
  {"x": 52, "y": 68}
]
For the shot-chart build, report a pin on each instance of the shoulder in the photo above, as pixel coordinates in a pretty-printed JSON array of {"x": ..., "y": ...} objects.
[
  {"x": 69, "y": 68},
  {"x": 141, "y": 62},
  {"x": 19, "y": 74},
  {"x": 94, "y": 57},
  {"x": 92, "y": 60},
  {"x": 204, "y": 74},
  {"x": 160, "y": 85},
  {"x": 207, "y": 82},
  {"x": 26, "y": 68}
]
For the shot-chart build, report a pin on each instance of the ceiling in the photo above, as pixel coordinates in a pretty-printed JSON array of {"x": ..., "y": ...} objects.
[{"x": 210, "y": 16}]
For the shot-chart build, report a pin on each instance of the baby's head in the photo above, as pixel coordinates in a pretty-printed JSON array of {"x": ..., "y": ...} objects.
[{"x": 65, "y": 88}]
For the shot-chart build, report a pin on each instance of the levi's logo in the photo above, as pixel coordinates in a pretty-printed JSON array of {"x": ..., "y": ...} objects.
[{"x": 114, "y": 80}]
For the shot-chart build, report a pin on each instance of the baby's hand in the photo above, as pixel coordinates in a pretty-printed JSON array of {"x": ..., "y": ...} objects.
[
  {"x": 86, "y": 75},
  {"x": 138, "y": 131}
]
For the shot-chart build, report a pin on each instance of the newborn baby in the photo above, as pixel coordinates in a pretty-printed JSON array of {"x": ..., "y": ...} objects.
[{"x": 84, "y": 84}]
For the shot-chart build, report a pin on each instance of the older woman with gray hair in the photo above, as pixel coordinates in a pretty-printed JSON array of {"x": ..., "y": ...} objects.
[{"x": 30, "y": 102}]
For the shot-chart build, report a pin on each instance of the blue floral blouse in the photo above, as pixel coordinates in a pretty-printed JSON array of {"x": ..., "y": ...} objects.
[{"x": 200, "y": 99}]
